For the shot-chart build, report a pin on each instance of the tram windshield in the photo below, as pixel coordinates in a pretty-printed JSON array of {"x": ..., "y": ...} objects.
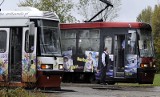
[
  {"x": 145, "y": 43},
  {"x": 49, "y": 38}
]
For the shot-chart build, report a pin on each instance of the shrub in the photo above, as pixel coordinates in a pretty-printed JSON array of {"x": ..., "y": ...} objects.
[{"x": 20, "y": 92}]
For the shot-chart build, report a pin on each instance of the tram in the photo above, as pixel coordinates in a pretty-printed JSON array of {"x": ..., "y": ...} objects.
[
  {"x": 130, "y": 46},
  {"x": 30, "y": 53}
]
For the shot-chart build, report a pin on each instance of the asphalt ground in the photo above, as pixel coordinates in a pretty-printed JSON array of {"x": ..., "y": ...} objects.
[{"x": 97, "y": 90}]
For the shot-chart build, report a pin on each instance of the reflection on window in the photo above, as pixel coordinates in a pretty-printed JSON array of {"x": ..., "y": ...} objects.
[
  {"x": 88, "y": 41},
  {"x": 69, "y": 40},
  {"x": 131, "y": 42},
  {"x": 145, "y": 44},
  {"x": 108, "y": 43},
  {"x": 84, "y": 34},
  {"x": 49, "y": 41},
  {"x": 29, "y": 42},
  {"x": 3, "y": 41},
  {"x": 69, "y": 34},
  {"x": 94, "y": 34}
]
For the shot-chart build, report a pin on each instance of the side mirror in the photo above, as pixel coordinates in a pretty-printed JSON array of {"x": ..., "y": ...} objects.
[{"x": 31, "y": 28}]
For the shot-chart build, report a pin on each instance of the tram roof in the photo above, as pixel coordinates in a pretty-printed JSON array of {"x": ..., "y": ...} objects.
[
  {"x": 28, "y": 12},
  {"x": 91, "y": 25}
]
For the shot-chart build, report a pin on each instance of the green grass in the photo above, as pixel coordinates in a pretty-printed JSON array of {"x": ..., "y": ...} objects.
[
  {"x": 155, "y": 83},
  {"x": 156, "y": 80},
  {"x": 20, "y": 92}
]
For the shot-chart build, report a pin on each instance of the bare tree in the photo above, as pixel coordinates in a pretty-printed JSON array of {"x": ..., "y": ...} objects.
[{"x": 88, "y": 8}]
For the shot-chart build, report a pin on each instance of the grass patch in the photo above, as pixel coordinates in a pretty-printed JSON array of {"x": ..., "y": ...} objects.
[
  {"x": 156, "y": 82},
  {"x": 20, "y": 92}
]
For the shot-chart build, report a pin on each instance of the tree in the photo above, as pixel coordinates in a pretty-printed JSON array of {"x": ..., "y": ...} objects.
[
  {"x": 145, "y": 15},
  {"x": 156, "y": 32},
  {"x": 61, "y": 7},
  {"x": 88, "y": 8}
]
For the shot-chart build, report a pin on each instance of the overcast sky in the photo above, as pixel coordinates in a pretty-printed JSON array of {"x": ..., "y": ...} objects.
[
  {"x": 128, "y": 12},
  {"x": 130, "y": 9}
]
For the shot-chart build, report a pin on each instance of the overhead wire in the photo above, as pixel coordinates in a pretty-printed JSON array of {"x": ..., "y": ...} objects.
[{"x": 1, "y": 3}]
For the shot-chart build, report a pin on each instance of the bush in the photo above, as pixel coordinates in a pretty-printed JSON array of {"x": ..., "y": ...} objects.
[{"x": 20, "y": 92}]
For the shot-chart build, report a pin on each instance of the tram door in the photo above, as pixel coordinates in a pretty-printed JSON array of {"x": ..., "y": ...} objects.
[
  {"x": 15, "y": 54},
  {"x": 119, "y": 55},
  {"x": 4, "y": 53}
]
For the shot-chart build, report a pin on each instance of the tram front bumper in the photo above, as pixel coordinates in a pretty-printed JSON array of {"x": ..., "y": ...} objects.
[
  {"x": 49, "y": 78},
  {"x": 146, "y": 75}
]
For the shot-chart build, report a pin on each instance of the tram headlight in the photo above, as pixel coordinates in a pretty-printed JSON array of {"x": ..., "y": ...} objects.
[
  {"x": 144, "y": 65},
  {"x": 60, "y": 67},
  {"x": 154, "y": 66},
  {"x": 46, "y": 66}
]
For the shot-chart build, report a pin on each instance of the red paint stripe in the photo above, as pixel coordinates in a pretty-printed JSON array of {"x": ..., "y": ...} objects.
[{"x": 102, "y": 25}]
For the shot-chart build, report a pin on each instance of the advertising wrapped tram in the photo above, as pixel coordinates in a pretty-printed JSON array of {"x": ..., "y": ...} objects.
[
  {"x": 30, "y": 48},
  {"x": 130, "y": 47}
]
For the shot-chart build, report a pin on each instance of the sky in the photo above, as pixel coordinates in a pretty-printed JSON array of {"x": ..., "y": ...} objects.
[{"x": 129, "y": 9}]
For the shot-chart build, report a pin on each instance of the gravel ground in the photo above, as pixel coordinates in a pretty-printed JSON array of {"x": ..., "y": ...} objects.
[{"x": 89, "y": 90}]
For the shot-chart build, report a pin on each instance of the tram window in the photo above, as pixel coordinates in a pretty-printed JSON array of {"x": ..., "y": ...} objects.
[
  {"x": 94, "y": 34},
  {"x": 84, "y": 34},
  {"x": 83, "y": 45},
  {"x": 88, "y": 40},
  {"x": 108, "y": 43},
  {"x": 3, "y": 41},
  {"x": 145, "y": 43},
  {"x": 49, "y": 23},
  {"x": 29, "y": 42},
  {"x": 68, "y": 34},
  {"x": 49, "y": 41},
  {"x": 131, "y": 42},
  {"x": 69, "y": 40},
  {"x": 69, "y": 44}
]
